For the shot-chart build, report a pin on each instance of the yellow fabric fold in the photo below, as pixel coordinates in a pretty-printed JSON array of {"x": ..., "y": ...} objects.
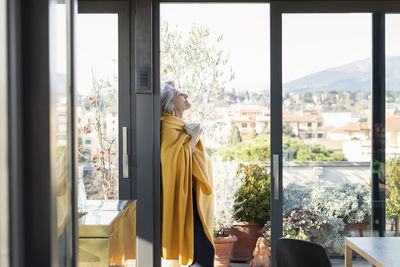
[{"x": 178, "y": 168}]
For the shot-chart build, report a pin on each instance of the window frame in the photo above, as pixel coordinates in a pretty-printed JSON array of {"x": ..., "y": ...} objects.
[{"x": 127, "y": 186}]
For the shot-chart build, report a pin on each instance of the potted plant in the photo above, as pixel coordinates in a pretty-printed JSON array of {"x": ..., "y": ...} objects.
[
  {"x": 251, "y": 209},
  {"x": 325, "y": 213},
  {"x": 225, "y": 186}
]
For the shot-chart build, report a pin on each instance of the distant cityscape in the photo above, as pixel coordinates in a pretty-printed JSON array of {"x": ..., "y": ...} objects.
[{"x": 339, "y": 121}]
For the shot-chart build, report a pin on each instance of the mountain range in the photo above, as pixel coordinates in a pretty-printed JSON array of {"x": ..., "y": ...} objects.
[{"x": 349, "y": 77}]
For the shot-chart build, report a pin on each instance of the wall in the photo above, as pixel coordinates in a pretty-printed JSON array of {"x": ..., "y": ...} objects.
[{"x": 329, "y": 172}]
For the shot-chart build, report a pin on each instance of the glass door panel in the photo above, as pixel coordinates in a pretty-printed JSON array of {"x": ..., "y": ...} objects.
[
  {"x": 392, "y": 117},
  {"x": 97, "y": 105},
  {"x": 326, "y": 133},
  {"x": 61, "y": 141}
]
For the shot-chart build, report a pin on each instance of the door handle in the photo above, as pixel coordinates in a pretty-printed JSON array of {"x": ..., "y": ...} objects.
[
  {"x": 275, "y": 174},
  {"x": 125, "y": 156}
]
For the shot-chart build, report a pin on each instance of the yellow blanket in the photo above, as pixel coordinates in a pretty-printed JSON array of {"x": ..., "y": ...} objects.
[{"x": 178, "y": 168}]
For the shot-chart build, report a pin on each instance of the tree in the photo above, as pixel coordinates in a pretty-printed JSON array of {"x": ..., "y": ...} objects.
[
  {"x": 234, "y": 137},
  {"x": 253, "y": 133},
  {"x": 287, "y": 130},
  {"x": 197, "y": 64},
  {"x": 307, "y": 97},
  {"x": 393, "y": 190},
  {"x": 294, "y": 149},
  {"x": 102, "y": 96}
]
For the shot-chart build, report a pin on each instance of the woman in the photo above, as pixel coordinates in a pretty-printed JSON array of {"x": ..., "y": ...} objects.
[{"x": 187, "y": 201}]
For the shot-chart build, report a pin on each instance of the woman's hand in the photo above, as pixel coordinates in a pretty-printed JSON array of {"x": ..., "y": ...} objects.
[{"x": 195, "y": 134}]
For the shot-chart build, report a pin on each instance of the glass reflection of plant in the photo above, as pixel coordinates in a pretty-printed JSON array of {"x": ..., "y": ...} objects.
[{"x": 103, "y": 96}]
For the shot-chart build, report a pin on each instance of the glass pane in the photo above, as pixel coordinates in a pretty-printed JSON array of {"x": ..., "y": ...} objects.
[
  {"x": 97, "y": 107},
  {"x": 392, "y": 125},
  {"x": 326, "y": 128},
  {"x": 60, "y": 122},
  {"x": 222, "y": 63}
]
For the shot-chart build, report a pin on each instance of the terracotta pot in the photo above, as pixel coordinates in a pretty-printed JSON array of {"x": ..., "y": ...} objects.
[
  {"x": 247, "y": 234},
  {"x": 223, "y": 250}
]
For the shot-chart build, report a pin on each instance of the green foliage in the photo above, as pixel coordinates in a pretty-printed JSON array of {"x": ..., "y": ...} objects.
[
  {"x": 252, "y": 200},
  {"x": 307, "y": 97},
  {"x": 319, "y": 211},
  {"x": 287, "y": 130},
  {"x": 253, "y": 150},
  {"x": 295, "y": 150},
  {"x": 234, "y": 137},
  {"x": 393, "y": 187},
  {"x": 253, "y": 133}
]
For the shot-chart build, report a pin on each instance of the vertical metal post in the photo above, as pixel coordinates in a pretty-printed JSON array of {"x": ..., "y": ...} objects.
[
  {"x": 15, "y": 146},
  {"x": 73, "y": 137},
  {"x": 38, "y": 186},
  {"x": 276, "y": 125},
  {"x": 378, "y": 123},
  {"x": 147, "y": 136},
  {"x": 156, "y": 134}
]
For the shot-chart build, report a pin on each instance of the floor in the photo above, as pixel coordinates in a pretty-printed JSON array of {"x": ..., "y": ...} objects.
[{"x": 335, "y": 263}]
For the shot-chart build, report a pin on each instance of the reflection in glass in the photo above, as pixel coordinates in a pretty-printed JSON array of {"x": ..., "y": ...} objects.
[
  {"x": 60, "y": 120},
  {"x": 392, "y": 114},
  {"x": 97, "y": 107},
  {"x": 326, "y": 128}
]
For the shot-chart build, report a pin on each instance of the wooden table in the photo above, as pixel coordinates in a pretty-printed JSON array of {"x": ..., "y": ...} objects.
[
  {"x": 379, "y": 251},
  {"x": 107, "y": 233}
]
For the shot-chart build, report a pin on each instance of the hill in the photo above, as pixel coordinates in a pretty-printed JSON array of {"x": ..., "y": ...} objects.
[{"x": 349, "y": 77}]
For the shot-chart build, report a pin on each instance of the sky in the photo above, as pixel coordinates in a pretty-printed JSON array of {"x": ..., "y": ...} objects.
[
  {"x": 311, "y": 42},
  {"x": 97, "y": 49}
]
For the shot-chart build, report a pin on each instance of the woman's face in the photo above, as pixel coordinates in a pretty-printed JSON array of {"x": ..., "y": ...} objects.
[{"x": 181, "y": 102}]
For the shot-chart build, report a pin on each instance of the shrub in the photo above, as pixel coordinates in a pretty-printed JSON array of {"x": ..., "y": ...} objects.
[
  {"x": 319, "y": 212},
  {"x": 225, "y": 186},
  {"x": 349, "y": 202},
  {"x": 253, "y": 197},
  {"x": 393, "y": 187},
  {"x": 303, "y": 224}
]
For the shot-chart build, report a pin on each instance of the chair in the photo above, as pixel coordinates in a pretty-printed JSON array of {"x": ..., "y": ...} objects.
[{"x": 300, "y": 253}]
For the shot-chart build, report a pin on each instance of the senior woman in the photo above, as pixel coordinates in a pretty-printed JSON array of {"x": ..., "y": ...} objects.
[{"x": 187, "y": 201}]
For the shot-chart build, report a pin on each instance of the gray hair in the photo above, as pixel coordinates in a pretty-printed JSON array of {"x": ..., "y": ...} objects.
[{"x": 167, "y": 98}]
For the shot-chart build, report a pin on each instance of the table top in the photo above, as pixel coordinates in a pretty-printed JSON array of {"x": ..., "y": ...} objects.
[
  {"x": 99, "y": 216},
  {"x": 380, "y": 251}
]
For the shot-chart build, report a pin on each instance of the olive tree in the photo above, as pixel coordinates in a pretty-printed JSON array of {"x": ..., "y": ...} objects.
[{"x": 198, "y": 65}]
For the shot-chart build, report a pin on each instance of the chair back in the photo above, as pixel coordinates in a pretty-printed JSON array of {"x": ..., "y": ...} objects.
[{"x": 300, "y": 253}]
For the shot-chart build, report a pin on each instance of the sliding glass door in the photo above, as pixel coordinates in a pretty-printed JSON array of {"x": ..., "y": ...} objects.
[
  {"x": 392, "y": 125},
  {"x": 103, "y": 100},
  {"x": 327, "y": 112},
  {"x": 326, "y": 133}
]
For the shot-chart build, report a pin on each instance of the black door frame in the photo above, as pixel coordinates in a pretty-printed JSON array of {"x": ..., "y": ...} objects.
[
  {"x": 378, "y": 9},
  {"x": 32, "y": 185}
]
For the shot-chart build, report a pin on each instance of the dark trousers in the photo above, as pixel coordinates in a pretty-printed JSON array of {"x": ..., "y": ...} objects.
[{"x": 203, "y": 249}]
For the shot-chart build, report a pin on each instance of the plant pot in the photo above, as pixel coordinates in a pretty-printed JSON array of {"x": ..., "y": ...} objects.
[
  {"x": 223, "y": 250},
  {"x": 247, "y": 234}
]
